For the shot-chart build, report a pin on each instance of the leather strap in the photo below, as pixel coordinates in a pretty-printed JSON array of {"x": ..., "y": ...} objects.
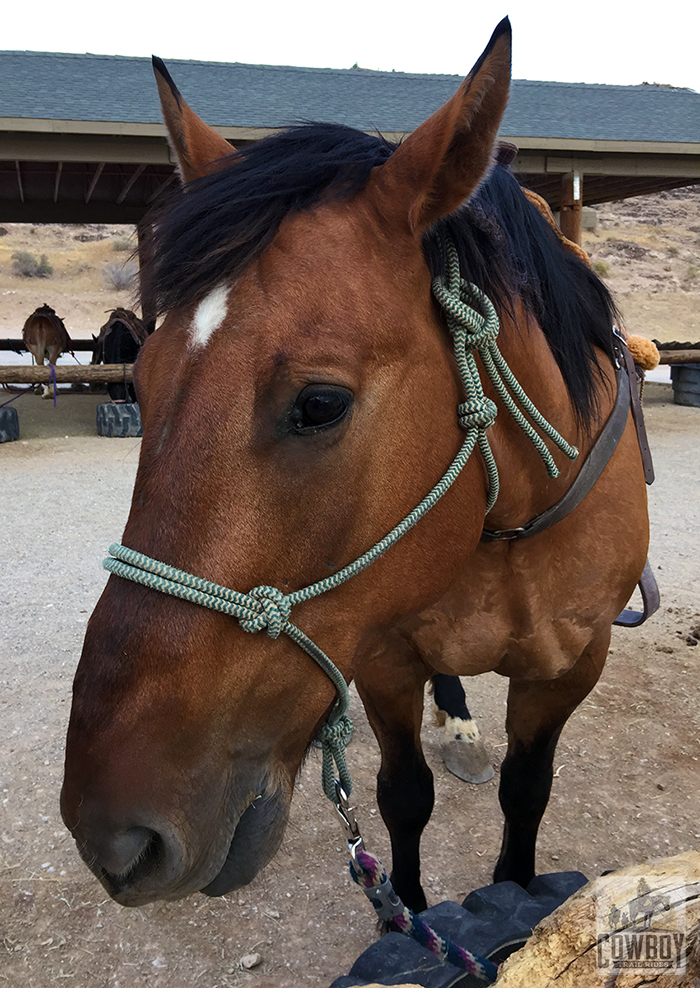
[
  {"x": 593, "y": 466},
  {"x": 637, "y": 413},
  {"x": 651, "y": 598}
]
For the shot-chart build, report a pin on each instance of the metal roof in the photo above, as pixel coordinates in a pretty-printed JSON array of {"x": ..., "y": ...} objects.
[{"x": 40, "y": 85}]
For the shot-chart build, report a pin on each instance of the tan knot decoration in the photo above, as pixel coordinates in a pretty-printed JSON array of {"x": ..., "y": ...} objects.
[{"x": 644, "y": 353}]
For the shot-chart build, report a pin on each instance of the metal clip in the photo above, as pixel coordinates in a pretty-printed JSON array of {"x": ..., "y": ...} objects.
[
  {"x": 386, "y": 902},
  {"x": 347, "y": 820}
]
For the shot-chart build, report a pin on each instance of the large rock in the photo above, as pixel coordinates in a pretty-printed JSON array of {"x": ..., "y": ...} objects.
[{"x": 563, "y": 950}]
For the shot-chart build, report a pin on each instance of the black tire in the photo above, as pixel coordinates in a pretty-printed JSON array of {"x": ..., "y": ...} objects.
[
  {"x": 494, "y": 922},
  {"x": 121, "y": 421},
  {"x": 9, "y": 425},
  {"x": 685, "y": 379}
]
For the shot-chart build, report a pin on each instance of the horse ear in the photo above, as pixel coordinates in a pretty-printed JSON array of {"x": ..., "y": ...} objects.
[
  {"x": 199, "y": 149},
  {"x": 443, "y": 161}
]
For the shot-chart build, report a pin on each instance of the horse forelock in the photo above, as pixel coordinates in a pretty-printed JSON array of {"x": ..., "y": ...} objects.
[{"x": 213, "y": 228}]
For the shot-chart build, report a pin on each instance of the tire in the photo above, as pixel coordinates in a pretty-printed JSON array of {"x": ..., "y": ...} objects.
[
  {"x": 685, "y": 379},
  {"x": 493, "y": 921},
  {"x": 9, "y": 425},
  {"x": 121, "y": 421}
]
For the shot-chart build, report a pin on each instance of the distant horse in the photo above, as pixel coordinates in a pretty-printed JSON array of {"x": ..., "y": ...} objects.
[
  {"x": 119, "y": 342},
  {"x": 46, "y": 337},
  {"x": 302, "y": 397}
]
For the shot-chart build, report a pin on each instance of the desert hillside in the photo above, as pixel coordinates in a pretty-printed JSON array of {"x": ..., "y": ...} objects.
[{"x": 647, "y": 250}]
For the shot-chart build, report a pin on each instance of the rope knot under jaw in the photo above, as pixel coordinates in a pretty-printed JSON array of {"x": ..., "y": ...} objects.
[
  {"x": 477, "y": 414},
  {"x": 275, "y": 609}
]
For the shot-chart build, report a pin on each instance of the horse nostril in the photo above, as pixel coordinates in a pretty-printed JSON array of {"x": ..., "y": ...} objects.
[{"x": 130, "y": 855}]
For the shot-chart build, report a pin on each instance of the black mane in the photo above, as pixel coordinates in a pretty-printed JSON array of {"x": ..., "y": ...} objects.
[{"x": 217, "y": 225}]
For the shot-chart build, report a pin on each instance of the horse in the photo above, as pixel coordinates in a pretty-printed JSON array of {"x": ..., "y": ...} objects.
[
  {"x": 46, "y": 337},
  {"x": 306, "y": 269},
  {"x": 119, "y": 342}
]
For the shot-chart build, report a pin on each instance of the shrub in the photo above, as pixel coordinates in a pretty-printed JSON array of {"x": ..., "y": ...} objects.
[
  {"x": 28, "y": 266},
  {"x": 122, "y": 244},
  {"x": 120, "y": 276},
  {"x": 601, "y": 268},
  {"x": 693, "y": 272}
]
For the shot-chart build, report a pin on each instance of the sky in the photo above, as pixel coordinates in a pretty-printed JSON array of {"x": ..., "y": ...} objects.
[{"x": 601, "y": 41}]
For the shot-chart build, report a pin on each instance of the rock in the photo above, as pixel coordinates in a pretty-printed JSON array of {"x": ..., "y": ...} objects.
[
  {"x": 250, "y": 960},
  {"x": 562, "y": 950}
]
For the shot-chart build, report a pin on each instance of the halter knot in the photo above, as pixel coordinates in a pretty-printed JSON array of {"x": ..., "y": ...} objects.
[
  {"x": 477, "y": 413},
  {"x": 471, "y": 316},
  {"x": 275, "y": 609},
  {"x": 338, "y": 732}
]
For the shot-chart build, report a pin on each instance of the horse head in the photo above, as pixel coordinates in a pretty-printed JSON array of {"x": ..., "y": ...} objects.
[{"x": 297, "y": 401}]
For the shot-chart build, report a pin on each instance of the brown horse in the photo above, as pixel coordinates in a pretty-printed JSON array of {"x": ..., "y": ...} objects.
[
  {"x": 301, "y": 268},
  {"x": 46, "y": 337}
]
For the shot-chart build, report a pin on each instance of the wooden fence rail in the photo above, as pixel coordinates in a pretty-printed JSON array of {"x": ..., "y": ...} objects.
[
  {"x": 23, "y": 374},
  {"x": 19, "y": 346}
]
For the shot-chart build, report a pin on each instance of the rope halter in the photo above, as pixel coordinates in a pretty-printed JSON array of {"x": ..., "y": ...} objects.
[
  {"x": 274, "y": 614},
  {"x": 473, "y": 323}
]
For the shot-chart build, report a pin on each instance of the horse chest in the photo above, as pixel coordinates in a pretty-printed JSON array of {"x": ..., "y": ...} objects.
[{"x": 506, "y": 626}]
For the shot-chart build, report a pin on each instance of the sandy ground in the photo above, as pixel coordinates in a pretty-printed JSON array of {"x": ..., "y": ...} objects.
[{"x": 627, "y": 768}]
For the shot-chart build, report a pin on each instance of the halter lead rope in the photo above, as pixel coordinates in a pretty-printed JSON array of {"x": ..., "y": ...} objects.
[{"x": 473, "y": 323}]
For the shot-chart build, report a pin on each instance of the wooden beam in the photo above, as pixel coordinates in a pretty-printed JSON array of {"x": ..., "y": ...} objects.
[
  {"x": 19, "y": 181},
  {"x": 70, "y": 374},
  {"x": 571, "y": 205},
  {"x": 163, "y": 185},
  {"x": 19, "y": 346},
  {"x": 633, "y": 166},
  {"x": 144, "y": 233},
  {"x": 125, "y": 191},
  {"x": 679, "y": 356},
  {"x": 94, "y": 181},
  {"x": 59, "y": 169}
]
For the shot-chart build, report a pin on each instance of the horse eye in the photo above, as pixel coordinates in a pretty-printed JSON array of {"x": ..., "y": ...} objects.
[{"x": 319, "y": 406}]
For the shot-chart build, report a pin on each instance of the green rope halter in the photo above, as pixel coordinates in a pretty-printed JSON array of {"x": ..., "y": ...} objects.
[{"x": 474, "y": 325}]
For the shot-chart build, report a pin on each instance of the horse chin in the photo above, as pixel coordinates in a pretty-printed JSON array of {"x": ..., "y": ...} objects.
[{"x": 256, "y": 839}]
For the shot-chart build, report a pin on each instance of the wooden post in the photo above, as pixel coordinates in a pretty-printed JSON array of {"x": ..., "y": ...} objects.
[
  {"x": 143, "y": 231},
  {"x": 571, "y": 205},
  {"x": 65, "y": 374}
]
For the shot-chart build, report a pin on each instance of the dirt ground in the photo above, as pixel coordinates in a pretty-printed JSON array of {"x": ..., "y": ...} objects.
[{"x": 627, "y": 767}]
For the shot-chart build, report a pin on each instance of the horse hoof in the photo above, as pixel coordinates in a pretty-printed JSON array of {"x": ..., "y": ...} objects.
[{"x": 468, "y": 760}]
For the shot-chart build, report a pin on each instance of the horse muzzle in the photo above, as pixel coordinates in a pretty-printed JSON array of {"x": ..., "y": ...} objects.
[{"x": 150, "y": 858}]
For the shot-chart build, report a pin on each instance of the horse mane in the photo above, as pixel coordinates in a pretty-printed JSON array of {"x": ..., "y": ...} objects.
[{"x": 214, "y": 227}]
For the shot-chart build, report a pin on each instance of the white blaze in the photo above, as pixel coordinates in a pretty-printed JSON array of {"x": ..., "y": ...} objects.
[{"x": 209, "y": 315}]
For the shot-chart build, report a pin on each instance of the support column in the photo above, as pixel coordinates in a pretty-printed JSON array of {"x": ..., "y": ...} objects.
[
  {"x": 148, "y": 315},
  {"x": 571, "y": 205}
]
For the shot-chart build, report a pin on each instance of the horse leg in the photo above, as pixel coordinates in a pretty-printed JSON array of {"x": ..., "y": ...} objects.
[
  {"x": 537, "y": 712},
  {"x": 392, "y": 695},
  {"x": 53, "y": 352},
  {"x": 463, "y": 752}
]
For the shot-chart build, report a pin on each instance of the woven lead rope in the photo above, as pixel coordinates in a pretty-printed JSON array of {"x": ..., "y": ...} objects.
[{"x": 370, "y": 875}]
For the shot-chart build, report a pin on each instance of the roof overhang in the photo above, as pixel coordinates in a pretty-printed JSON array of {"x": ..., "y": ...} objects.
[{"x": 112, "y": 171}]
